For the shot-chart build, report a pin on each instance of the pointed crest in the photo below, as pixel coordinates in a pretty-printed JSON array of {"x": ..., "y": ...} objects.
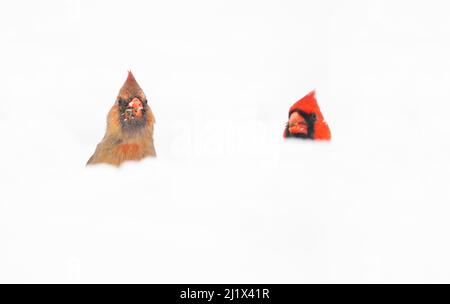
[{"x": 131, "y": 88}]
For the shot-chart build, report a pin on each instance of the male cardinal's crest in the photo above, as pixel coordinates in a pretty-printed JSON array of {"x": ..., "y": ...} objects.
[{"x": 129, "y": 131}]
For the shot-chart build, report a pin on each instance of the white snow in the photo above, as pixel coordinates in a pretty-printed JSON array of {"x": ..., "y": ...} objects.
[{"x": 227, "y": 199}]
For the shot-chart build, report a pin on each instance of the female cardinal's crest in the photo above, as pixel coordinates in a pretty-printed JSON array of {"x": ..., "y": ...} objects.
[{"x": 131, "y": 88}]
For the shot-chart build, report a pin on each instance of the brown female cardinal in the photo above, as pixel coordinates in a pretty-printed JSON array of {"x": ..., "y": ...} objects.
[{"x": 129, "y": 130}]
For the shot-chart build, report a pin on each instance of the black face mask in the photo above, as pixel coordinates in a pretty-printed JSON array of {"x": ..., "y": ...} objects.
[
  {"x": 310, "y": 120},
  {"x": 297, "y": 135}
]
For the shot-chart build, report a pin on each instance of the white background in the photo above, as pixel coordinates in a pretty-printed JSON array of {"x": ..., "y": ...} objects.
[{"x": 227, "y": 199}]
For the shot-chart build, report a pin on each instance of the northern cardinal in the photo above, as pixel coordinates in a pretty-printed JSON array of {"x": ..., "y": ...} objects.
[
  {"x": 129, "y": 131},
  {"x": 306, "y": 120}
]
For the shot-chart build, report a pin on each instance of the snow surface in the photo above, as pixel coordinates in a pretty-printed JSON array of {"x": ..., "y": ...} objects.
[{"x": 227, "y": 200}]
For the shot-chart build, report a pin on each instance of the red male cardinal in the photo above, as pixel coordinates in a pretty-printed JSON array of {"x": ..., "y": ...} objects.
[
  {"x": 306, "y": 120},
  {"x": 129, "y": 130}
]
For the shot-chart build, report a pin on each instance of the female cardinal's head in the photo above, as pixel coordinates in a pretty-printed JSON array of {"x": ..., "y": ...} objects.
[{"x": 131, "y": 111}]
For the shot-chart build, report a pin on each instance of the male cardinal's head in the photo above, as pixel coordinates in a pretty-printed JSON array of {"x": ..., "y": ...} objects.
[{"x": 306, "y": 120}]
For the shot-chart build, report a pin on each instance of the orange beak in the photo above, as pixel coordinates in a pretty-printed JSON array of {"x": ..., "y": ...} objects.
[{"x": 137, "y": 107}]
